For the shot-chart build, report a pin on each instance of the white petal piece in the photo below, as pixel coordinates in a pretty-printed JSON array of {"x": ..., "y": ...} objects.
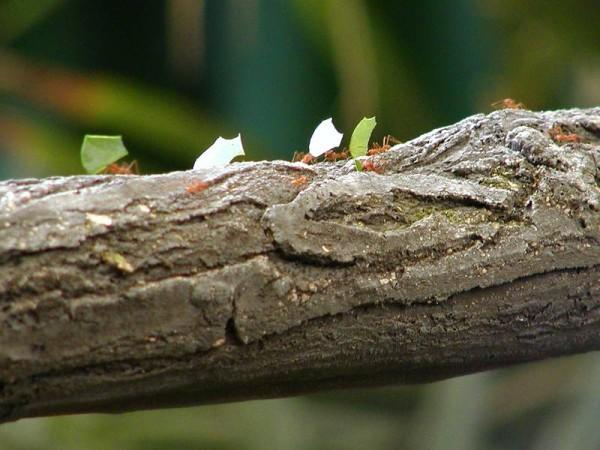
[
  {"x": 325, "y": 137},
  {"x": 220, "y": 153}
]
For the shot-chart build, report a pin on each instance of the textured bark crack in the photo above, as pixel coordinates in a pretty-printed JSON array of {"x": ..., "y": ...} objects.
[{"x": 477, "y": 246}]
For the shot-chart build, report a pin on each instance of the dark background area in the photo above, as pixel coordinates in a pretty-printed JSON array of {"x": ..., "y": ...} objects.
[{"x": 173, "y": 75}]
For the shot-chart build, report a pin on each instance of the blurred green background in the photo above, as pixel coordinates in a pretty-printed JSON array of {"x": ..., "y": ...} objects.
[{"x": 172, "y": 75}]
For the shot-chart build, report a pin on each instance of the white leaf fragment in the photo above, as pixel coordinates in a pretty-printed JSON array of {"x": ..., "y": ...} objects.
[
  {"x": 324, "y": 138},
  {"x": 220, "y": 153}
]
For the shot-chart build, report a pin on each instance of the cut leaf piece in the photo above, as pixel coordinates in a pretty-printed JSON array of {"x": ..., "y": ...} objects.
[
  {"x": 97, "y": 152},
  {"x": 220, "y": 153},
  {"x": 324, "y": 138},
  {"x": 359, "y": 142}
]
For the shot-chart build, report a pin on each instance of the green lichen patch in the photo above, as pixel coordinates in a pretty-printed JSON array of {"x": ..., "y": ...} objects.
[
  {"x": 468, "y": 215},
  {"x": 399, "y": 211},
  {"x": 501, "y": 182},
  {"x": 501, "y": 178}
]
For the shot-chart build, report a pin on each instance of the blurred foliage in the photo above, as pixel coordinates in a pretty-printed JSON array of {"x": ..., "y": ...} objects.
[{"x": 172, "y": 75}]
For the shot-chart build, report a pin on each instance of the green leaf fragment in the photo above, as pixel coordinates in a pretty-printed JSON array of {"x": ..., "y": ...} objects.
[
  {"x": 97, "y": 152},
  {"x": 359, "y": 142}
]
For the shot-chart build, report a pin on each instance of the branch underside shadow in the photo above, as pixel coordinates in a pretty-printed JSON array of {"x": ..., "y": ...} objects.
[{"x": 476, "y": 247}]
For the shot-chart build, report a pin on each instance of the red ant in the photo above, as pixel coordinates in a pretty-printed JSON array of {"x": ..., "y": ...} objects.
[
  {"x": 197, "y": 186},
  {"x": 334, "y": 156},
  {"x": 508, "y": 103},
  {"x": 306, "y": 158},
  {"x": 384, "y": 147},
  {"x": 557, "y": 135},
  {"x": 370, "y": 166},
  {"x": 122, "y": 169},
  {"x": 300, "y": 181}
]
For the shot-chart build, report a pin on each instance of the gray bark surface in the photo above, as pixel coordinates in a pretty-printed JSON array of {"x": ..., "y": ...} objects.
[{"x": 477, "y": 247}]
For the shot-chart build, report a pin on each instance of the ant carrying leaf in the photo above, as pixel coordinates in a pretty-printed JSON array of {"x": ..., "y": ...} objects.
[{"x": 99, "y": 154}]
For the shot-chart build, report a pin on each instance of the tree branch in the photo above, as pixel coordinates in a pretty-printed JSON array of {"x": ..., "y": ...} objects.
[{"x": 478, "y": 246}]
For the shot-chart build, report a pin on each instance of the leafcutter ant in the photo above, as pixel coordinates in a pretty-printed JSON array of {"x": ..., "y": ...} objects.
[
  {"x": 557, "y": 135},
  {"x": 197, "y": 186},
  {"x": 370, "y": 166},
  {"x": 122, "y": 169},
  {"x": 333, "y": 156},
  {"x": 508, "y": 103},
  {"x": 300, "y": 181},
  {"x": 306, "y": 158},
  {"x": 384, "y": 147}
]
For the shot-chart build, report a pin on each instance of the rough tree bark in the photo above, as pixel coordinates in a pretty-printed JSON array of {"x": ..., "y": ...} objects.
[{"x": 478, "y": 246}]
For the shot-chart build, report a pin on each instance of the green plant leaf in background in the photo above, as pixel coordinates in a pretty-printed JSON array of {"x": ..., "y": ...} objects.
[
  {"x": 359, "y": 142},
  {"x": 17, "y": 18},
  {"x": 97, "y": 152}
]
